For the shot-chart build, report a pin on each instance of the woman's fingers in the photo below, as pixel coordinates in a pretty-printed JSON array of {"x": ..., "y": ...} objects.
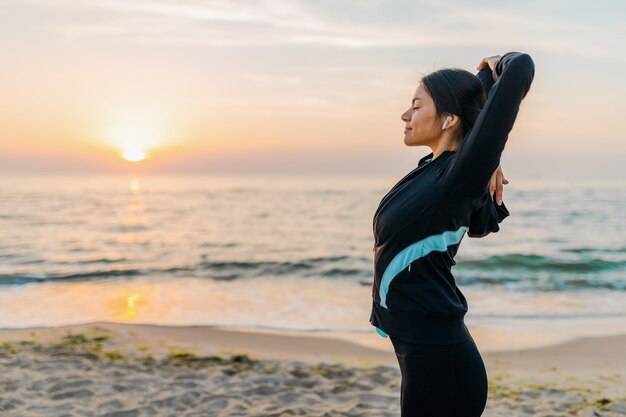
[
  {"x": 489, "y": 61},
  {"x": 500, "y": 180},
  {"x": 499, "y": 189},
  {"x": 496, "y": 185}
]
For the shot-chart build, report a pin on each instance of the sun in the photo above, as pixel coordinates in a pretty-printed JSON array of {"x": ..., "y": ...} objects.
[
  {"x": 135, "y": 133},
  {"x": 134, "y": 155}
]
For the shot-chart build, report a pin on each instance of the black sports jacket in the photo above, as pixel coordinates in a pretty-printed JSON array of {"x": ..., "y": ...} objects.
[{"x": 420, "y": 222}]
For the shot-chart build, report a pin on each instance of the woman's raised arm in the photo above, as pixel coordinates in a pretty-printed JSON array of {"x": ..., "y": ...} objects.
[
  {"x": 486, "y": 78},
  {"x": 478, "y": 156}
]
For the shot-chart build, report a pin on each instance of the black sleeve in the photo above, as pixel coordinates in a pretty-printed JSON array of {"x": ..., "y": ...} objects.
[
  {"x": 486, "y": 78},
  {"x": 478, "y": 156}
]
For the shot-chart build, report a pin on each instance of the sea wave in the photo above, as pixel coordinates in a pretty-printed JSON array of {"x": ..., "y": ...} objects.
[
  {"x": 217, "y": 270},
  {"x": 515, "y": 272},
  {"x": 541, "y": 263},
  {"x": 530, "y": 282}
]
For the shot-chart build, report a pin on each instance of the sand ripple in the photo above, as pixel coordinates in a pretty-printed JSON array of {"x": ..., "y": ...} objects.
[{"x": 81, "y": 375}]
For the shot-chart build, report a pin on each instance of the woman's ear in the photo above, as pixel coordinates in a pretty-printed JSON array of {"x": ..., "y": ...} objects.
[
  {"x": 450, "y": 121},
  {"x": 454, "y": 121}
]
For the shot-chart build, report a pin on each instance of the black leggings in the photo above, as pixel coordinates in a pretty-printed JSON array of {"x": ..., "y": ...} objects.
[{"x": 441, "y": 380}]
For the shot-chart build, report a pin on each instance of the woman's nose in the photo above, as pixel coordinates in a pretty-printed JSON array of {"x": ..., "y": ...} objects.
[{"x": 405, "y": 117}]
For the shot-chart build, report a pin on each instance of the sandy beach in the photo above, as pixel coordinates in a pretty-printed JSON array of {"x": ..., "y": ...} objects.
[{"x": 114, "y": 370}]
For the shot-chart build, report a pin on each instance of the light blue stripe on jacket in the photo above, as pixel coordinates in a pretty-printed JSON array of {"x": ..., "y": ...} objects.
[
  {"x": 414, "y": 251},
  {"x": 380, "y": 332}
]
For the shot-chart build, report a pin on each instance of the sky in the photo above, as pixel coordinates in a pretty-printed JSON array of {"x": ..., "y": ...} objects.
[{"x": 277, "y": 86}]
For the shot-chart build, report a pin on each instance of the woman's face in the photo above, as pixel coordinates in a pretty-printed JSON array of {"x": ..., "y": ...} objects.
[{"x": 422, "y": 126}]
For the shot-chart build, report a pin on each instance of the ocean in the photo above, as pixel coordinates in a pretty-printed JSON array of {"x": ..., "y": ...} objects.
[{"x": 292, "y": 253}]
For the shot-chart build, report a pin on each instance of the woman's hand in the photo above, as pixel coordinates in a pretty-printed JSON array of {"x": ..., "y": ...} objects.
[
  {"x": 495, "y": 184},
  {"x": 489, "y": 61}
]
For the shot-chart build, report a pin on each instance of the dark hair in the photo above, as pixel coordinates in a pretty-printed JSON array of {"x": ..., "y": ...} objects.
[{"x": 456, "y": 91}]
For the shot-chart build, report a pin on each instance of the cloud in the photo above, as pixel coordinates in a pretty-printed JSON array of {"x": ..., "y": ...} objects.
[{"x": 349, "y": 24}]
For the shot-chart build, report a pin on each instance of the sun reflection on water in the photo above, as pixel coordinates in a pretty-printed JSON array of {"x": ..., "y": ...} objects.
[
  {"x": 134, "y": 185},
  {"x": 130, "y": 309}
]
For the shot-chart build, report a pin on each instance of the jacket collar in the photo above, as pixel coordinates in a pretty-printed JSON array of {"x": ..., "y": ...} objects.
[{"x": 426, "y": 159}]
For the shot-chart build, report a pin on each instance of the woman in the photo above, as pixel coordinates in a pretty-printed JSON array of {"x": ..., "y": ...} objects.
[{"x": 420, "y": 223}]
